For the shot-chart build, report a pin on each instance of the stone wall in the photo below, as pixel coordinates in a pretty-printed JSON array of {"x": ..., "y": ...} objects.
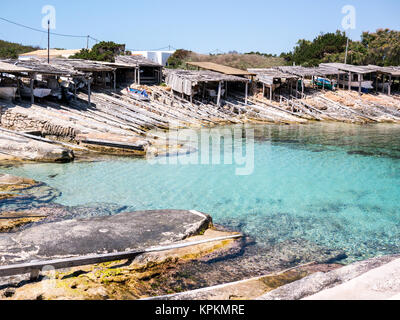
[{"x": 20, "y": 122}]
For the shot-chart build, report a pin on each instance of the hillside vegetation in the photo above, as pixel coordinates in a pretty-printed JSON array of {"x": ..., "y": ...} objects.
[
  {"x": 380, "y": 48},
  {"x": 10, "y": 50},
  {"x": 241, "y": 61}
]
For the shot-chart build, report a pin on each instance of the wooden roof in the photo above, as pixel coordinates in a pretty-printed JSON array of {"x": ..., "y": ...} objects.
[
  {"x": 12, "y": 68},
  {"x": 203, "y": 76},
  {"x": 220, "y": 68},
  {"x": 136, "y": 61},
  {"x": 350, "y": 68},
  {"x": 267, "y": 75},
  {"x": 42, "y": 67},
  {"x": 394, "y": 71},
  {"x": 309, "y": 72},
  {"x": 82, "y": 65}
]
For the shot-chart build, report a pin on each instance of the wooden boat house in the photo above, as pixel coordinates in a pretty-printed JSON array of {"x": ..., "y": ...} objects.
[
  {"x": 273, "y": 80},
  {"x": 366, "y": 77},
  {"x": 138, "y": 69},
  {"x": 37, "y": 79},
  {"x": 204, "y": 85}
]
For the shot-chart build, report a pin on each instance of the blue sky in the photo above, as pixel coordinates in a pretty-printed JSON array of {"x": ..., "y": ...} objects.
[{"x": 201, "y": 26}]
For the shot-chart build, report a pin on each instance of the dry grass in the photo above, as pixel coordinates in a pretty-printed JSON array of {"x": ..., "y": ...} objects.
[{"x": 240, "y": 61}]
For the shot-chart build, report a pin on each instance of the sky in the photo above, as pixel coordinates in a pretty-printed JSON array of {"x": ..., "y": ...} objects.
[{"x": 203, "y": 26}]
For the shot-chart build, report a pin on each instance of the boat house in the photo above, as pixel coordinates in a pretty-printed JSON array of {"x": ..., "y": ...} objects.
[{"x": 204, "y": 85}]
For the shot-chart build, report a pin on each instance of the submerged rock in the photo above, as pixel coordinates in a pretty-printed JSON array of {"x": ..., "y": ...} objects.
[{"x": 18, "y": 193}]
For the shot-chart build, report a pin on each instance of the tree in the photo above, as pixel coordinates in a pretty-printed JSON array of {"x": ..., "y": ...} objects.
[
  {"x": 103, "y": 51},
  {"x": 179, "y": 59},
  {"x": 312, "y": 53},
  {"x": 383, "y": 47}
]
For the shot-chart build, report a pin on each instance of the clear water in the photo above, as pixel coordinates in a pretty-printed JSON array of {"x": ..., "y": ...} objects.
[{"x": 335, "y": 185}]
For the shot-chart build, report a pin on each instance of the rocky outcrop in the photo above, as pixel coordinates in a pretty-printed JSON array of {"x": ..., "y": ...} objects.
[
  {"x": 146, "y": 276},
  {"x": 319, "y": 281},
  {"x": 14, "y": 146},
  {"x": 119, "y": 233}
]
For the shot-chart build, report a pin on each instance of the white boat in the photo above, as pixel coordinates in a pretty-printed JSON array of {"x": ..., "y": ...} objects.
[
  {"x": 7, "y": 93},
  {"x": 140, "y": 95},
  {"x": 356, "y": 84},
  {"x": 39, "y": 93}
]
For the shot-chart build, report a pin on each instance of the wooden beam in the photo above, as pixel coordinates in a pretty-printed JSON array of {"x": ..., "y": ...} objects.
[
  {"x": 135, "y": 75},
  {"x": 389, "y": 87},
  {"x": 359, "y": 83},
  {"x": 89, "y": 91},
  {"x": 115, "y": 80},
  {"x": 219, "y": 94},
  {"x": 31, "y": 85},
  {"x": 349, "y": 85},
  {"x": 247, "y": 93}
]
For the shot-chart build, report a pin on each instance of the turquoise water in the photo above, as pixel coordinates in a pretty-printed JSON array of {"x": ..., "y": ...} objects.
[{"x": 335, "y": 185}]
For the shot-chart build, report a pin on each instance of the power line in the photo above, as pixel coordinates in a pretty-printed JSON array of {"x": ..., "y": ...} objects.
[{"x": 42, "y": 31}]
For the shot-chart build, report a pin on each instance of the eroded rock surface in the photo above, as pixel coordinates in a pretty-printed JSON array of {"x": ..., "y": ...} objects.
[
  {"x": 319, "y": 281},
  {"x": 16, "y": 147},
  {"x": 122, "y": 232}
]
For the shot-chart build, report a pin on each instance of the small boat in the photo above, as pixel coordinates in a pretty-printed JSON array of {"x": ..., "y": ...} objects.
[
  {"x": 365, "y": 85},
  {"x": 7, "y": 93},
  {"x": 325, "y": 83},
  {"x": 138, "y": 94}
]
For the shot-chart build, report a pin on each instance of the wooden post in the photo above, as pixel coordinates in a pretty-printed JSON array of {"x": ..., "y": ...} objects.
[
  {"x": 75, "y": 92},
  {"x": 338, "y": 79},
  {"x": 89, "y": 91},
  {"x": 389, "y": 87},
  {"x": 31, "y": 84},
  {"x": 18, "y": 88},
  {"x": 297, "y": 86},
  {"x": 376, "y": 84},
  {"x": 135, "y": 75},
  {"x": 226, "y": 89},
  {"x": 359, "y": 83},
  {"x": 247, "y": 93},
  {"x": 349, "y": 81},
  {"x": 115, "y": 80},
  {"x": 270, "y": 92},
  {"x": 302, "y": 87},
  {"x": 219, "y": 94},
  {"x": 139, "y": 75},
  {"x": 383, "y": 83},
  {"x": 263, "y": 90}
]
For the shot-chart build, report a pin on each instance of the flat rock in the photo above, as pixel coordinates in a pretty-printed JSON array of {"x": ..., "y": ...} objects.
[
  {"x": 118, "y": 233},
  {"x": 319, "y": 281},
  {"x": 16, "y": 147}
]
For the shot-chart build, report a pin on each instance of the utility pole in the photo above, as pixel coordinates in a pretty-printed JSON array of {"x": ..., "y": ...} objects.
[
  {"x": 347, "y": 50},
  {"x": 48, "y": 41},
  {"x": 87, "y": 43}
]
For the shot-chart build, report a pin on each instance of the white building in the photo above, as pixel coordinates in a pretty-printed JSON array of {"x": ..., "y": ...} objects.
[{"x": 160, "y": 57}]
